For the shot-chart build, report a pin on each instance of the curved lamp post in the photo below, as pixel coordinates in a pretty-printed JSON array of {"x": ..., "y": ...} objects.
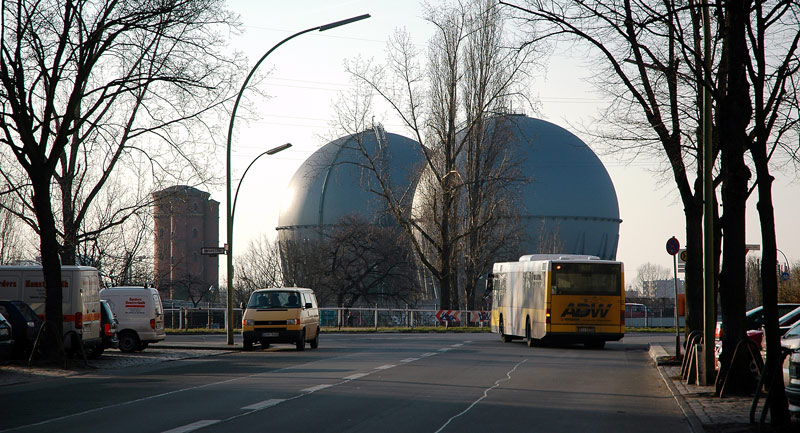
[{"x": 229, "y": 250}]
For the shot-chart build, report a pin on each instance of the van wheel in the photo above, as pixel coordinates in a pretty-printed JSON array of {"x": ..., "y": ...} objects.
[
  {"x": 301, "y": 342},
  {"x": 247, "y": 345},
  {"x": 141, "y": 346},
  {"x": 128, "y": 341},
  {"x": 315, "y": 341}
]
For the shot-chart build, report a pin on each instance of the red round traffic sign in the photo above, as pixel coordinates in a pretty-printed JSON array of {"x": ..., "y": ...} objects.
[{"x": 673, "y": 246}]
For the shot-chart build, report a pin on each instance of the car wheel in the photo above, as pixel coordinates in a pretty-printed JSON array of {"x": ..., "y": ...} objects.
[
  {"x": 301, "y": 342},
  {"x": 315, "y": 341},
  {"x": 128, "y": 342},
  {"x": 247, "y": 345},
  {"x": 141, "y": 346}
]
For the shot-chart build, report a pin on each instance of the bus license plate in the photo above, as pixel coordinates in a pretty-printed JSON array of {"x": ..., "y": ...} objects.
[
  {"x": 583, "y": 329},
  {"x": 269, "y": 334}
]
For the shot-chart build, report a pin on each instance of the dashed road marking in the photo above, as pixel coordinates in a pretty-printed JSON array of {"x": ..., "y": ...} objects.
[
  {"x": 315, "y": 388},
  {"x": 385, "y": 367},
  {"x": 356, "y": 376},
  {"x": 425, "y": 355},
  {"x": 193, "y": 426},
  {"x": 407, "y": 360},
  {"x": 264, "y": 404}
]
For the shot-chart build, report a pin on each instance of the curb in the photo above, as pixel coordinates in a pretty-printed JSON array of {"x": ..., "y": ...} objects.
[{"x": 656, "y": 352}]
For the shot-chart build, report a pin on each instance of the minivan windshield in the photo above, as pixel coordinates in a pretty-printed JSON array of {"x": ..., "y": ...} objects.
[{"x": 274, "y": 299}]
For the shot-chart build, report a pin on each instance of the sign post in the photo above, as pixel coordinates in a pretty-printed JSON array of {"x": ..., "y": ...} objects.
[{"x": 673, "y": 247}]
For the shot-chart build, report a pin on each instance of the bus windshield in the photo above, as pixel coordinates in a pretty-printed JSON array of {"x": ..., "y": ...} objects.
[{"x": 602, "y": 279}]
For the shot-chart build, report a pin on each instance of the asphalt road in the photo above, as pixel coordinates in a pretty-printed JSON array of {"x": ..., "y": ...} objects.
[{"x": 364, "y": 383}]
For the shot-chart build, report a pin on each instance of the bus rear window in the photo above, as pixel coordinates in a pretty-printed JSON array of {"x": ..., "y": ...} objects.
[{"x": 586, "y": 279}]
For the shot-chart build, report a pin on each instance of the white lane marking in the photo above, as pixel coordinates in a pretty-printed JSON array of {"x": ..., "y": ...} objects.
[
  {"x": 458, "y": 345},
  {"x": 315, "y": 388},
  {"x": 193, "y": 426},
  {"x": 445, "y": 349},
  {"x": 407, "y": 360},
  {"x": 164, "y": 394},
  {"x": 264, "y": 404},
  {"x": 356, "y": 376},
  {"x": 425, "y": 355},
  {"x": 385, "y": 367},
  {"x": 485, "y": 394}
]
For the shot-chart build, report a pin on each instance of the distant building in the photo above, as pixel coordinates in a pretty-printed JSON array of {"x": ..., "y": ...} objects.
[{"x": 186, "y": 219}]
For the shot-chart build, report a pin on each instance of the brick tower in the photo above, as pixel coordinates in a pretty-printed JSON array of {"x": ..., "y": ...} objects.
[{"x": 186, "y": 219}]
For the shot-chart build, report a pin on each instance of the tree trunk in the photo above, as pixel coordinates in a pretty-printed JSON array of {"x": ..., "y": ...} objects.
[
  {"x": 734, "y": 114},
  {"x": 694, "y": 268},
  {"x": 51, "y": 265}
]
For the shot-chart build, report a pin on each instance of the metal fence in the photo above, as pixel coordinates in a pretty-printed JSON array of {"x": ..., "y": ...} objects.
[
  {"x": 214, "y": 318},
  {"x": 371, "y": 318}
]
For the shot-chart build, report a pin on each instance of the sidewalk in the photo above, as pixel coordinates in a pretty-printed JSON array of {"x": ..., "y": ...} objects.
[{"x": 705, "y": 412}]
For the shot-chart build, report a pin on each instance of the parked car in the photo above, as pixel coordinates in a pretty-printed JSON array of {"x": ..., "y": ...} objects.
[
  {"x": 6, "y": 339},
  {"x": 108, "y": 331},
  {"x": 24, "y": 323},
  {"x": 754, "y": 319},
  {"x": 787, "y": 320},
  {"x": 791, "y": 380},
  {"x": 791, "y": 339}
]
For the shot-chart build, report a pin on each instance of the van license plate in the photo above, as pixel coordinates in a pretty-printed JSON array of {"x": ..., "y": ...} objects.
[
  {"x": 269, "y": 334},
  {"x": 585, "y": 329}
]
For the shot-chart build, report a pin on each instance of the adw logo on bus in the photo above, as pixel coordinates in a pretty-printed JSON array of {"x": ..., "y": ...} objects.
[{"x": 584, "y": 310}]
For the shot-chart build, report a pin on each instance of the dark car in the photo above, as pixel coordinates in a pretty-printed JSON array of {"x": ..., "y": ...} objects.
[
  {"x": 6, "y": 339},
  {"x": 24, "y": 322},
  {"x": 787, "y": 320},
  {"x": 791, "y": 380},
  {"x": 108, "y": 331}
]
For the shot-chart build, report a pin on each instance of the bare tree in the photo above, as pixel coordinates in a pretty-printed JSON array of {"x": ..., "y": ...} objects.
[
  {"x": 11, "y": 242},
  {"x": 469, "y": 76},
  {"x": 646, "y": 276},
  {"x": 258, "y": 268},
  {"x": 367, "y": 263},
  {"x": 80, "y": 79},
  {"x": 648, "y": 62},
  {"x": 662, "y": 43}
]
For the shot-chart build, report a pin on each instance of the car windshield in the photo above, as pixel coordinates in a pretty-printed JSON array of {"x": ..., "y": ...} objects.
[
  {"x": 26, "y": 312},
  {"x": 274, "y": 299},
  {"x": 793, "y": 332}
]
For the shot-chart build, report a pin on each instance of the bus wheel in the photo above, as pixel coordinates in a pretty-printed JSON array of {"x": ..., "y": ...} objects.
[
  {"x": 528, "y": 338},
  {"x": 503, "y": 337}
]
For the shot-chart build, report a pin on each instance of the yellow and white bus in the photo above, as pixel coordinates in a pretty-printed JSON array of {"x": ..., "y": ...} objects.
[{"x": 559, "y": 298}]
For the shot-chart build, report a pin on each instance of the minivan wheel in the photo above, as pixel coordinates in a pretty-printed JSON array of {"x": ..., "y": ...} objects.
[
  {"x": 315, "y": 341},
  {"x": 301, "y": 342},
  {"x": 128, "y": 342}
]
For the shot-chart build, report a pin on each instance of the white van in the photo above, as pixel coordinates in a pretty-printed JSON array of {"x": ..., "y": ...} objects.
[
  {"x": 80, "y": 299},
  {"x": 140, "y": 315}
]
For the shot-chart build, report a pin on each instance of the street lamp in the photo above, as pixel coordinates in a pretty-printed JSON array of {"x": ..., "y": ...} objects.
[{"x": 229, "y": 252}]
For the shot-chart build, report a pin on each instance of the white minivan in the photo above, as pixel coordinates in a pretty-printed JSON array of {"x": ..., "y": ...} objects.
[{"x": 140, "y": 315}]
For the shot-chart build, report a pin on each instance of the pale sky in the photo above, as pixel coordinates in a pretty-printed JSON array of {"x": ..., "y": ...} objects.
[{"x": 306, "y": 74}]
